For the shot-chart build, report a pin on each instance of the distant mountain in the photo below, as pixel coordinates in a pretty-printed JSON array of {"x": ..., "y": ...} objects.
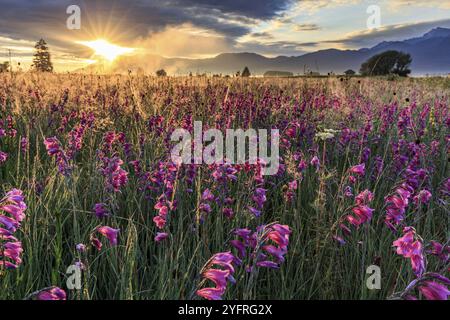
[{"x": 430, "y": 54}]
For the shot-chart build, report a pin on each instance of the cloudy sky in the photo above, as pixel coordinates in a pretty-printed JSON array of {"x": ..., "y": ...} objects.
[{"x": 204, "y": 28}]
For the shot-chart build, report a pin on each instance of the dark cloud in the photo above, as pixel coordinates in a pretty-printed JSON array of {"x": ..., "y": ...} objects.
[{"x": 30, "y": 19}]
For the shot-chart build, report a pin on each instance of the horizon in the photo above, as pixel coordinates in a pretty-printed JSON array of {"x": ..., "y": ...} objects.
[{"x": 168, "y": 29}]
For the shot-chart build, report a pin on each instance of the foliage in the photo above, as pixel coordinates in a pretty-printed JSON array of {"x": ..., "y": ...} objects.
[
  {"x": 388, "y": 62},
  {"x": 41, "y": 60}
]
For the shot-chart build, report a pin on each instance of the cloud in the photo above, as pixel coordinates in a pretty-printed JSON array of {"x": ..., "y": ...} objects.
[
  {"x": 395, "y": 32},
  {"x": 306, "y": 27},
  {"x": 396, "y": 4},
  {"x": 151, "y": 22},
  {"x": 30, "y": 18},
  {"x": 183, "y": 40}
]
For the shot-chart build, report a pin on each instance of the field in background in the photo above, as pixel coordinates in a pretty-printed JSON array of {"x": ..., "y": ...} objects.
[{"x": 395, "y": 128}]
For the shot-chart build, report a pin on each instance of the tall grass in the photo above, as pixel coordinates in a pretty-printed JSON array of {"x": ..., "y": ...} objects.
[{"x": 59, "y": 213}]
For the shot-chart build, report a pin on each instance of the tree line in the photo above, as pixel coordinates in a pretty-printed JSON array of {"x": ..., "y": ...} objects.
[{"x": 386, "y": 63}]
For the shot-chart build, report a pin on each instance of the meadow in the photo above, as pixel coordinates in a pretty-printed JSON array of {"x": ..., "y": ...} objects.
[{"x": 86, "y": 179}]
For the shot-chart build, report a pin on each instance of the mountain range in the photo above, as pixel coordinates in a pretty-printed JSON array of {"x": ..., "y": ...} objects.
[{"x": 430, "y": 54}]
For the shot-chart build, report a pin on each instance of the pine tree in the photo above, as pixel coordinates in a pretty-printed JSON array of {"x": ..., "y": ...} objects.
[
  {"x": 41, "y": 60},
  {"x": 246, "y": 72}
]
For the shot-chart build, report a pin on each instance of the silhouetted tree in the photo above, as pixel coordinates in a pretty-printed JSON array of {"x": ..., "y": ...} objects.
[
  {"x": 161, "y": 73},
  {"x": 41, "y": 60},
  {"x": 349, "y": 72},
  {"x": 388, "y": 62},
  {"x": 246, "y": 72}
]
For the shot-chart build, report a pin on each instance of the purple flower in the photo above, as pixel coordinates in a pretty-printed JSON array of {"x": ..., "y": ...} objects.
[
  {"x": 12, "y": 213},
  {"x": 100, "y": 210},
  {"x": 115, "y": 176},
  {"x": 220, "y": 277},
  {"x": 207, "y": 195},
  {"x": 268, "y": 264},
  {"x": 228, "y": 212},
  {"x": 80, "y": 247},
  {"x": 211, "y": 293},
  {"x": 54, "y": 293},
  {"x": 255, "y": 211},
  {"x": 423, "y": 197},
  {"x": 340, "y": 240},
  {"x": 109, "y": 233},
  {"x": 3, "y": 157},
  {"x": 364, "y": 197},
  {"x": 410, "y": 248},
  {"x": 439, "y": 250},
  {"x": 52, "y": 146},
  {"x": 362, "y": 214},
  {"x": 315, "y": 162},
  {"x": 23, "y": 144},
  {"x": 358, "y": 169},
  {"x": 434, "y": 291},
  {"x": 160, "y": 236},
  {"x": 396, "y": 206}
]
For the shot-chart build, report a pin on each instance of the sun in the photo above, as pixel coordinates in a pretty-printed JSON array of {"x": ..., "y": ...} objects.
[{"x": 105, "y": 49}]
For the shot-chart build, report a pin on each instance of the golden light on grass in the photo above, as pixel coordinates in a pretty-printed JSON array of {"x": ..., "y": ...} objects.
[{"x": 105, "y": 49}]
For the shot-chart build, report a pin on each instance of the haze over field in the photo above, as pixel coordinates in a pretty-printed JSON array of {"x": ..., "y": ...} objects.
[{"x": 184, "y": 36}]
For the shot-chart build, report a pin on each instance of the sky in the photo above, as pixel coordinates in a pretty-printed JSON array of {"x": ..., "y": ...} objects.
[{"x": 205, "y": 28}]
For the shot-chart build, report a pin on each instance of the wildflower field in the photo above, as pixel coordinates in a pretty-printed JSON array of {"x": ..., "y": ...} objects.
[{"x": 86, "y": 180}]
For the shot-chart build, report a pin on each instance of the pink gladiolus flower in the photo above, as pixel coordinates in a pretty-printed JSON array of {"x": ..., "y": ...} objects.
[
  {"x": 363, "y": 214},
  {"x": 410, "y": 248},
  {"x": 397, "y": 205},
  {"x": 225, "y": 260},
  {"x": 12, "y": 214},
  {"x": 364, "y": 197},
  {"x": 54, "y": 293},
  {"x": 9, "y": 223},
  {"x": 54, "y": 149},
  {"x": 110, "y": 233},
  {"x": 439, "y": 250},
  {"x": 434, "y": 291},
  {"x": 423, "y": 197},
  {"x": 52, "y": 146},
  {"x": 159, "y": 221},
  {"x": 359, "y": 169},
  {"x": 218, "y": 276},
  {"x": 211, "y": 293}
]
